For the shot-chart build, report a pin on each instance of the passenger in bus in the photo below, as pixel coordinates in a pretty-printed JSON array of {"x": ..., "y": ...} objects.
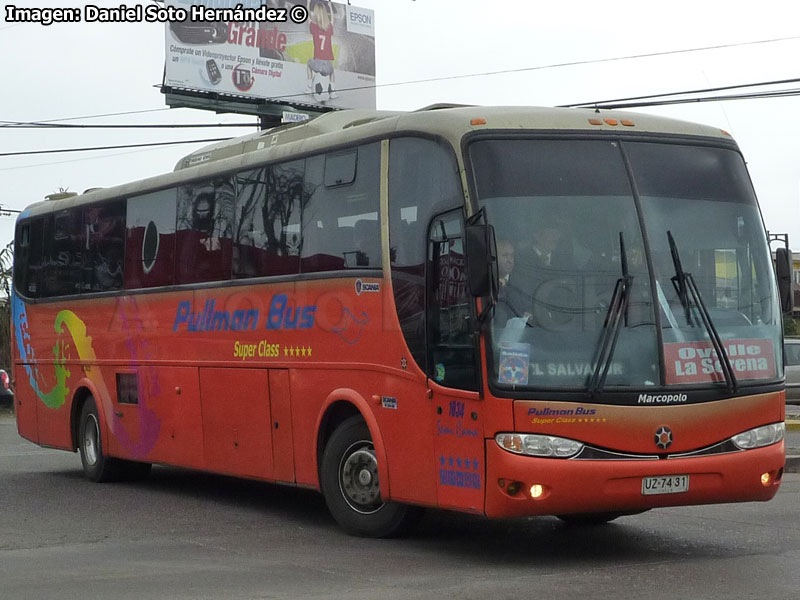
[
  {"x": 554, "y": 249},
  {"x": 513, "y": 301}
]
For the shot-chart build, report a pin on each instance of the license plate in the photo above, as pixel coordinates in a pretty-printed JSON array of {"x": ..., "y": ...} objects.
[{"x": 665, "y": 484}]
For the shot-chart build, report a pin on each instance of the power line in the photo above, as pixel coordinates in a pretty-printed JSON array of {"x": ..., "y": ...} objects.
[
  {"x": 71, "y": 160},
  {"x": 45, "y": 125},
  {"x": 29, "y": 152},
  {"x": 622, "y": 104},
  {"x": 699, "y": 99},
  {"x": 608, "y": 103},
  {"x": 469, "y": 75},
  {"x": 554, "y": 66},
  {"x": 116, "y": 114}
]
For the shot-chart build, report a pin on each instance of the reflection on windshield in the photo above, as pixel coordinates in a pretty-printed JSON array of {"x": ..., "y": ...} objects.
[{"x": 560, "y": 208}]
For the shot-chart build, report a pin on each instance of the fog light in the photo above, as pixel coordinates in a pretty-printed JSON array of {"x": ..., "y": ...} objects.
[
  {"x": 513, "y": 488},
  {"x": 537, "y": 490},
  {"x": 765, "y": 479}
]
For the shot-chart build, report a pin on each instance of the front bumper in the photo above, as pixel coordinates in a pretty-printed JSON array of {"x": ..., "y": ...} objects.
[{"x": 576, "y": 486}]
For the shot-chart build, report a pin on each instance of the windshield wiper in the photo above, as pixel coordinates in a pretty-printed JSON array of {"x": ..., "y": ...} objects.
[
  {"x": 617, "y": 314},
  {"x": 679, "y": 280},
  {"x": 685, "y": 285}
]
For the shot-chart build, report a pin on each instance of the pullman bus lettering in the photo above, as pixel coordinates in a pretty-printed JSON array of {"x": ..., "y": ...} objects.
[{"x": 281, "y": 315}]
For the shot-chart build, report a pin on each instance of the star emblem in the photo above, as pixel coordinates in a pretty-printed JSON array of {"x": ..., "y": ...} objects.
[
  {"x": 404, "y": 363},
  {"x": 663, "y": 437}
]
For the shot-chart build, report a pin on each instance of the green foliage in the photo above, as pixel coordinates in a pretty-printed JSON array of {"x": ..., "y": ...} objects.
[
  {"x": 790, "y": 327},
  {"x": 6, "y": 262}
]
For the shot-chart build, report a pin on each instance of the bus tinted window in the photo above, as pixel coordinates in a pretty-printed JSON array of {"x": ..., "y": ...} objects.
[
  {"x": 150, "y": 246},
  {"x": 655, "y": 166},
  {"x": 29, "y": 258},
  {"x": 105, "y": 247},
  {"x": 63, "y": 259},
  {"x": 268, "y": 206},
  {"x": 423, "y": 181},
  {"x": 340, "y": 224},
  {"x": 340, "y": 169},
  {"x": 204, "y": 230}
]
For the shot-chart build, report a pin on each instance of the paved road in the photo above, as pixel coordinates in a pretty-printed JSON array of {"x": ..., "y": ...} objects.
[{"x": 189, "y": 535}]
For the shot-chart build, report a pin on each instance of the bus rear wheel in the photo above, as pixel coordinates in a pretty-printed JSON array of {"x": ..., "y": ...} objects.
[
  {"x": 350, "y": 485},
  {"x": 97, "y": 466}
]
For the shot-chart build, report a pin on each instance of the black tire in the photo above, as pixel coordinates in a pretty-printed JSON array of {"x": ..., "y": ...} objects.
[
  {"x": 349, "y": 481},
  {"x": 97, "y": 466}
]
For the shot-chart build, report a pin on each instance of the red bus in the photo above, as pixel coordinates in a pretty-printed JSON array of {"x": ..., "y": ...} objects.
[{"x": 503, "y": 311}]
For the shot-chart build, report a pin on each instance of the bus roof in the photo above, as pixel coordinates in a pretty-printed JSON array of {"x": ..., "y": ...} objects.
[{"x": 347, "y": 126}]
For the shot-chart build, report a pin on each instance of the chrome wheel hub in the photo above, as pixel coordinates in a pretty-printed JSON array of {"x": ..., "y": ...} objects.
[
  {"x": 358, "y": 478},
  {"x": 91, "y": 439}
]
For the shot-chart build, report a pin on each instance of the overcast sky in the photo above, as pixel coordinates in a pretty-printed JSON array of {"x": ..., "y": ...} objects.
[{"x": 71, "y": 70}]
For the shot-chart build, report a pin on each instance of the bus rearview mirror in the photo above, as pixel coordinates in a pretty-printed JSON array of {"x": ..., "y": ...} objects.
[
  {"x": 480, "y": 250},
  {"x": 783, "y": 270}
]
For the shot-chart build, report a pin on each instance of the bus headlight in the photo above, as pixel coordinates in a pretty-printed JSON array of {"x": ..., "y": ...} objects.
[
  {"x": 760, "y": 436},
  {"x": 538, "y": 445}
]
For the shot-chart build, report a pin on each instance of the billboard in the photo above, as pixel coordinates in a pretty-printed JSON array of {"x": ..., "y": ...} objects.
[{"x": 302, "y": 52}]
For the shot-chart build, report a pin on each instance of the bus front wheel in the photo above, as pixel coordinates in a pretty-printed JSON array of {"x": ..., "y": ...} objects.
[
  {"x": 350, "y": 485},
  {"x": 96, "y": 465}
]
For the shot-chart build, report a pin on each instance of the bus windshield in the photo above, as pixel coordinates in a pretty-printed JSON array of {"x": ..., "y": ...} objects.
[{"x": 619, "y": 262}]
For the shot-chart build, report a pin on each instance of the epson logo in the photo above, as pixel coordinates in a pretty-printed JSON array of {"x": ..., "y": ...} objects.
[
  {"x": 360, "y": 18},
  {"x": 662, "y": 398}
]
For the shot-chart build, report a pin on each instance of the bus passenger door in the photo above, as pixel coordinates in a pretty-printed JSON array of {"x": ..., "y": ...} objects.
[
  {"x": 237, "y": 427},
  {"x": 453, "y": 370},
  {"x": 459, "y": 449}
]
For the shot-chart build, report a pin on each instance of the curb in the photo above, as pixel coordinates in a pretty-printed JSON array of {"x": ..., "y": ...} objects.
[{"x": 792, "y": 424}]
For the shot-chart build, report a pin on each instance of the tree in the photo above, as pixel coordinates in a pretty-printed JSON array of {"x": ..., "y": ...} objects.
[{"x": 6, "y": 262}]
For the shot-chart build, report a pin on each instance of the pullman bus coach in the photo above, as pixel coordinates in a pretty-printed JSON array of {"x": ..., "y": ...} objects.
[{"x": 502, "y": 311}]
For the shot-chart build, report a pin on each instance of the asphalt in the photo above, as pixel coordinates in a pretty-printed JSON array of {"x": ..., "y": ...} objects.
[{"x": 792, "y": 441}]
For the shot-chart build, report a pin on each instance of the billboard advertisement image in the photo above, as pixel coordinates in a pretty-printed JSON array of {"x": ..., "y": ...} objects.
[{"x": 309, "y": 52}]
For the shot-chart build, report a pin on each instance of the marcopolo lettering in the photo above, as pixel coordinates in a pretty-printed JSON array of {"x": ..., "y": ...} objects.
[{"x": 662, "y": 398}]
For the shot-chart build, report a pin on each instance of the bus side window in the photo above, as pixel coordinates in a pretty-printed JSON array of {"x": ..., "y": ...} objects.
[
  {"x": 268, "y": 207},
  {"x": 340, "y": 213},
  {"x": 150, "y": 240},
  {"x": 29, "y": 258},
  {"x": 204, "y": 231},
  {"x": 63, "y": 254},
  {"x": 105, "y": 247},
  {"x": 423, "y": 181}
]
